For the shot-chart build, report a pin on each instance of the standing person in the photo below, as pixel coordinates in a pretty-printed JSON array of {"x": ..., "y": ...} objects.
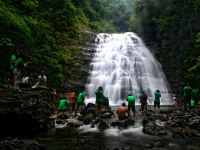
[
  {"x": 187, "y": 96},
  {"x": 143, "y": 101},
  {"x": 99, "y": 100},
  {"x": 194, "y": 95},
  {"x": 80, "y": 100},
  {"x": 13, "y": 59},
  {"x": 122, "y": 112},
  {"x": 71, "y": 98},
  {"x": 131, "y": 104},
  {"x": 17, "y": 72},
  {"x": 157, "y": 96}
]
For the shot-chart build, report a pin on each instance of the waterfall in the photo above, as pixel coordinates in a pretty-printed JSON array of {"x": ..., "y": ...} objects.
[{"x": 123, "y": 64}]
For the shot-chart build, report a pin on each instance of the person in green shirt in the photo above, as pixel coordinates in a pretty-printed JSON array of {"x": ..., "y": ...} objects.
[
  {"x": 194, "y": 97},
  {"x": 187, "y": 91},
  {"x": 194, "y": 93},
  {"x": 192, "y": 103},
  {"x": 62, "y": 105},
  {"x": 131, "y": 104},
  {"x": 80, "y": 100},
  {"x": 157, "y": 96},
  {"x": 17, "y": 72},
  {"x": 99, "y": 100},
  {"x": 13, "y": 59}
]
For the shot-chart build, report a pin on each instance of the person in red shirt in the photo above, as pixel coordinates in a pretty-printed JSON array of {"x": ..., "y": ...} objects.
[
  {"x": 71, "y": 99},
  {"x": 122, "y": 112}
]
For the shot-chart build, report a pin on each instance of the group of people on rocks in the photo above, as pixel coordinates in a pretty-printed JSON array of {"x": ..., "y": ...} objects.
[
  {"x": 123, "y": 112},
  {"x": 72, "y": 104},
  {"x": 20, "y": 74}
]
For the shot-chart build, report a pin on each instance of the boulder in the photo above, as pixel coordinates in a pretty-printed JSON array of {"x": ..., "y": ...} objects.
[
  {"x": 88, "y": 118},
  {"x": 123, "y": 123},
  {"x": 107, "y": 115},
  {"x": 102, "y": 125},
  {"x": 73, "y": 123},
  {"x": 152, "y": 129}
]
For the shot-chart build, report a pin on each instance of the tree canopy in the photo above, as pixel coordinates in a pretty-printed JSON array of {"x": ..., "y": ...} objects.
[
  {"x": 48, "y": 33},
  {"x": 174, "y": 28}
]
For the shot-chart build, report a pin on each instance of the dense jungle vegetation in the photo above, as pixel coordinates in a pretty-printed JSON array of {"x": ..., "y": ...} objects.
[
  {"x": 174, "y": 29},
  {"x": 49, "y": 33}
]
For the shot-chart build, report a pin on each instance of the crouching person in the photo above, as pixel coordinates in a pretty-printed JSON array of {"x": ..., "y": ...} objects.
[
  {"x": 41, "y": 81},
  {"x": 122, "y": 112},
  {"x": 62, "y": 105},
  {"x": 80, "y": 101}
]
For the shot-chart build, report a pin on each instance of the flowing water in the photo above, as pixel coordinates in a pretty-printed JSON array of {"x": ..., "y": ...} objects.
[
  {"x": 87, "y": 138},
  {"x": 132, "y": 138},
  {"x": 123, "y": 64}
]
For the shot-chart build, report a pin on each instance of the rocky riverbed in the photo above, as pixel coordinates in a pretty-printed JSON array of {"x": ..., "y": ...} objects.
[
  {"x": 172, "y": 122},
  {"x": 26, "y": 122}
]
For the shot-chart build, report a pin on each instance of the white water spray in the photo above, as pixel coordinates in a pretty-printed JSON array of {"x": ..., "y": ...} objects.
[{"x": 123, "y": 64}]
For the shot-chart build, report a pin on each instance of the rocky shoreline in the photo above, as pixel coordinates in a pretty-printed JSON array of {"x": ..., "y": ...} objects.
[
  {"x": 170, "y": 121},
  {"x": 24, "y": 112},
  {"x": 175, "y": 123}
]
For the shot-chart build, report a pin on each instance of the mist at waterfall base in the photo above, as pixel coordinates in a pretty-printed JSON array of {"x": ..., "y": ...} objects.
[{"x": 122, "y": 65}]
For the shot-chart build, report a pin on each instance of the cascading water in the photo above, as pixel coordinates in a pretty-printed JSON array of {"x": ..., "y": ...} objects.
[{"x": 122, "y": 65}]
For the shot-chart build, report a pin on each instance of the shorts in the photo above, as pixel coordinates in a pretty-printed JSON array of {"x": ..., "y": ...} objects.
[
  {"x": 131, "y": 106},
  {"x": 156, "y": 103}
]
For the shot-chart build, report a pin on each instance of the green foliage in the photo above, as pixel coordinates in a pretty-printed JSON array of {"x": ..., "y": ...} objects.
[
  {"x": 9, "y": 16},
  {"x": 196, "y": 67},
  {"x": 30, "y": 4},
  {"x": 47, "y": 32},
  {"x": 6, "y": 42},
  {"x": 174, "y": 27},
  {"x": 197, "y": 40}
]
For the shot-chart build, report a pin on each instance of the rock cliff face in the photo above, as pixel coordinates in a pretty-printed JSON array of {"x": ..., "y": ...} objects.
[
  {"x": 79, "y": 75},
  {"x": 24, "y": 112}
]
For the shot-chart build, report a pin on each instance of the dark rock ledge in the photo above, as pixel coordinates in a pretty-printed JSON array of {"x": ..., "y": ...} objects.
[{"x": 25, "y": 112}]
